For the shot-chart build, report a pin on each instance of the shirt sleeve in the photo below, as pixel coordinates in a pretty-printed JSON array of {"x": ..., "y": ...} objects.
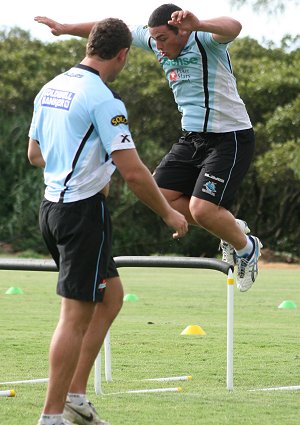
[
  {"x": 207, "y": 39},
  {"x": 111, "y": 123},
  {"x": 33, "y": 131}
]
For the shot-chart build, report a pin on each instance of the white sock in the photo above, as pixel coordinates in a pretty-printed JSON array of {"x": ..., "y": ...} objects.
[
  {"x": 247, "y": 250},
  {"x": 52, "y": 419},
  {"x": 77, "y": 398}
]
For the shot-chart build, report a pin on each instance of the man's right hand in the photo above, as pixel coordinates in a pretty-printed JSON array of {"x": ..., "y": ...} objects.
[
  {"x": 55, "y": 27},
  {"x": 177, "y": 221}
]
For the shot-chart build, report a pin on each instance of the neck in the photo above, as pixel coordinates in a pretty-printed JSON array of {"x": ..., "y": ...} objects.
[{"x": 98, "y": 65}]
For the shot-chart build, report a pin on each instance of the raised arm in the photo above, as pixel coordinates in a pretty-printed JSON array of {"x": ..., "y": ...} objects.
[
  {"x": 224, "y": 28},
  {"x": 80, "y": 30}
]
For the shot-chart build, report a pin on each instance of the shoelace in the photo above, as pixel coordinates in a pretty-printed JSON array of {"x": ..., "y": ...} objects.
[
  {"x": 242, "y": 266},
  {"x": 227, "y": 249}
]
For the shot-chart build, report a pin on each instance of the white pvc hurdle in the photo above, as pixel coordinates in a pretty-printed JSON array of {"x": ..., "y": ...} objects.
[
  {"x": 140, "y": 261},
  {"x": 190, "y": 262}
]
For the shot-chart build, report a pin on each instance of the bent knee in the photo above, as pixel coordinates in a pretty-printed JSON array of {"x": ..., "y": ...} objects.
[{"x": 203, "y": 212}]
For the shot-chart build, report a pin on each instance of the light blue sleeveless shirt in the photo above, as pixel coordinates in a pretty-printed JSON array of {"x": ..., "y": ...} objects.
[
  {"x": 202, "y": 82},
  {"x": 78, "y": 122}
]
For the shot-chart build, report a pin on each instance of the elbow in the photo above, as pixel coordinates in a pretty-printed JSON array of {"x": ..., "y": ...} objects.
[
  {"x": 36, "y": 161},
  {"x": 131, "y": 177},
  {"x": 30, "y": 159}
]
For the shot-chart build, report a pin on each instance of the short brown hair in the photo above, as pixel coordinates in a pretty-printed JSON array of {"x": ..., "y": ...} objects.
[
  {"x": 107, "y": 38},
  {"x": 161, "y": 15}
]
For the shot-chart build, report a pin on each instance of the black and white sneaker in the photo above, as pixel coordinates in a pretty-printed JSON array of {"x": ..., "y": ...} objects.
[{"x": 82, "y": 414}]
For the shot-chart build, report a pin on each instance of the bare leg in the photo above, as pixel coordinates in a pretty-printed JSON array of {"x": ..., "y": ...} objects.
[
  {"x": 103, "y": 316},
  {"x": 216, "y": 220},
  {"x": 180, "y": 203},
  {"x": 65, "y": 350}
]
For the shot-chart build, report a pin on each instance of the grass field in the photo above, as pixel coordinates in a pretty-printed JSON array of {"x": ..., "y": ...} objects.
[{"x": 146, "y": 343}]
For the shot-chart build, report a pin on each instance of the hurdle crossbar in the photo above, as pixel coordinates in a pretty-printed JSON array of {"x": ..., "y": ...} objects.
[{"x": 125, "y": 261}]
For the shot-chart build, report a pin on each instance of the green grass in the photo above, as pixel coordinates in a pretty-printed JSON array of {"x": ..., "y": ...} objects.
[{"x": 146, "y": 343}]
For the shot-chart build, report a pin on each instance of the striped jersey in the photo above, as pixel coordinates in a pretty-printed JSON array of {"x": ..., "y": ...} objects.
[
  {"x": 202, "y": 83},
  {"x": 78, "y": 122}
]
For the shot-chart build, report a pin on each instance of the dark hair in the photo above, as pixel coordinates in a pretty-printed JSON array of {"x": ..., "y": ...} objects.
[
  {"x": 162, "y": 14},
  {"x": 107, "y": 38}
]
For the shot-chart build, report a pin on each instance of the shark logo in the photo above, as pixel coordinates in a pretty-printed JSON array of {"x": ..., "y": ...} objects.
[{"x": 210, "y": 188}]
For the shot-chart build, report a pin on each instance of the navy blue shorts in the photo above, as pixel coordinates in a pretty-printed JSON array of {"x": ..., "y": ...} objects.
[
  {"x": 78, "y": 236},
  {"x": 209, "y": 166}
]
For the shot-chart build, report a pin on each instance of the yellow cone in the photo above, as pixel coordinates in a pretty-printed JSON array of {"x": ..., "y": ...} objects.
[{"x": 193, "y": 330}]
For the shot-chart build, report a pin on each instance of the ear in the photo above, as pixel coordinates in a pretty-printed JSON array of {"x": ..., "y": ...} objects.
[
  {"x": 123, "y": 53},
  {"x": 183, "y": 33}
]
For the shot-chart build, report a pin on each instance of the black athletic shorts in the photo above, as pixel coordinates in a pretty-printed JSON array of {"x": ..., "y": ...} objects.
[
  {"x": 78, "y": 236},
  {"x": 209, "y": 166}
]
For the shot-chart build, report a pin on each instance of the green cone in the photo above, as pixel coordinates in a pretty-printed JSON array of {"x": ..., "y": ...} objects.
[
  {"x": 14, "y": 291},
  {"x": 130, "y": 297},
  {"x": 287, "y": 304}
]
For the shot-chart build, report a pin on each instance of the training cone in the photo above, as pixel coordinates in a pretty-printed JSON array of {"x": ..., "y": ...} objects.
[
  {"x": 193, "y": 330},
  {"x": 14, "y": 291},
  {"x": 287, "y": 304},
  {"x": 130, "y": 297}
]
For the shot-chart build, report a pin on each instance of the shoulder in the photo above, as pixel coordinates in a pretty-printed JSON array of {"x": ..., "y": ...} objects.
[
  {"x": 141, "y": 36},
  {"x": 139, "y": 30},
  {"x": 114, "y": 94}
]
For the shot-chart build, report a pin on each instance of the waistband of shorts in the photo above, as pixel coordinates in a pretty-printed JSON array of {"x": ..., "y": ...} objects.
[
  {"x": 211, "y": 136},
  {"x": 101, "y": 195},
  {"x": 98, "y": 195},
  {"x": 192, "y": 133}
]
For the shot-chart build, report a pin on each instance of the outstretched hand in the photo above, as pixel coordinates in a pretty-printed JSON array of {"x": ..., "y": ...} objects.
[
  {"x": 55, "y": 27},
  {"x": 184, "y": 20}
]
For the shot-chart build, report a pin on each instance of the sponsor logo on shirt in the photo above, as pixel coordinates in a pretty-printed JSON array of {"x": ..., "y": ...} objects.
[
  {"x": 122, "y": 141},
  {"x": 125, "y": 138},
  {"x": 73, "y": 75},
  {"x": 173, "y": 75},
  {"x": 59, "y": 99},
  {"x": 119, "y": 119},
  {"x": 180, "y": 74},
  {"x": 178, "y": 61}
]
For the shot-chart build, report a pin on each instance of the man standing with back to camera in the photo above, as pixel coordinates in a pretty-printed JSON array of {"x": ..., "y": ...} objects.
[
  {"x": 79, "y": 134},
  {"x": 204, "y": 169}
]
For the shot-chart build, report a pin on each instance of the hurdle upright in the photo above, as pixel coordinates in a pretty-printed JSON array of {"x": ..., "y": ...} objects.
[{"x": 146, "y": 261}]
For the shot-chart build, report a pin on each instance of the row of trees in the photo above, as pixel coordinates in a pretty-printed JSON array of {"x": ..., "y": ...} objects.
[{"x": 269, "y": 198}]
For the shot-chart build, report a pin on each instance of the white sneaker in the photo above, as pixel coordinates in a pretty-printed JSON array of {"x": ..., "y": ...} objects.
[
  {"x": 228, "y": 252},
  {"x": 64, "y": 422},
  {"x": 82, "y": 414},
  {"x": 247, "y": 267}
]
